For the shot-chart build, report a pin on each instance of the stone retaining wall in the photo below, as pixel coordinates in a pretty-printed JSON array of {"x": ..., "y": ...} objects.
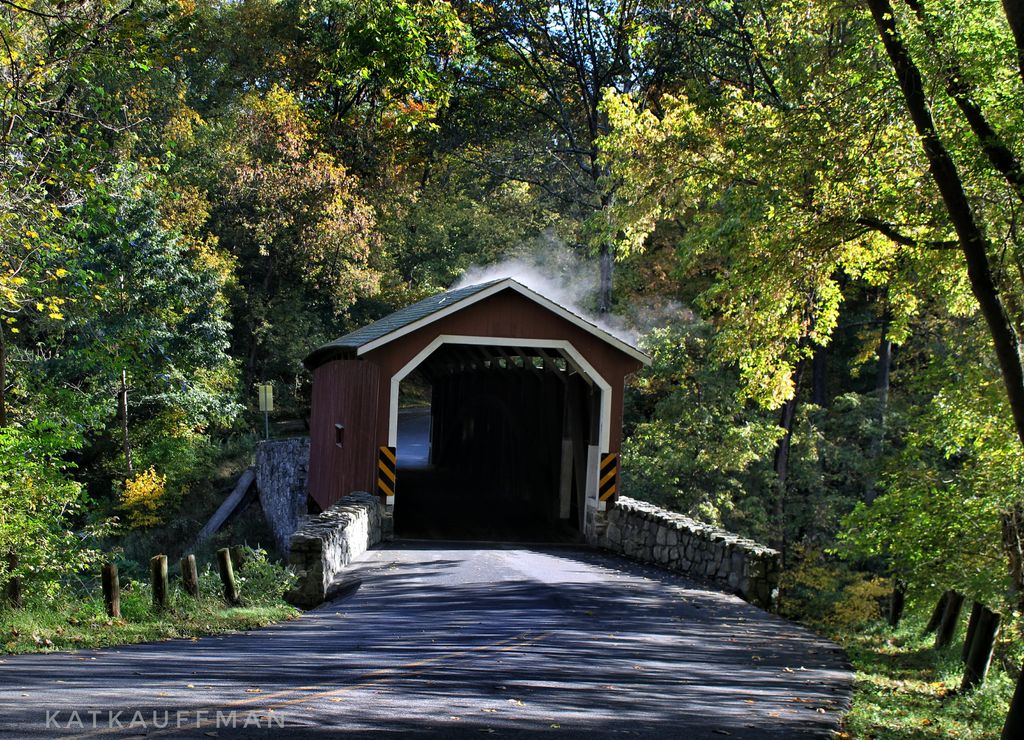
[
  {"x": 648, "y": 533},
  {"x": 324, "y": 544},
  {"x": 282, "y": 467}
]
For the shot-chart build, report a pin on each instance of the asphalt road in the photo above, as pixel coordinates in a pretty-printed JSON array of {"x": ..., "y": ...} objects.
[{"x": 459, "y": 640}]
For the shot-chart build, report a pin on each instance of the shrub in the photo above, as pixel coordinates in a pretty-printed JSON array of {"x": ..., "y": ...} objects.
[
  {"x": 142, "y": 498},
  {"x": 829, "y": 594},
  {"x": 262, "y": 581}
]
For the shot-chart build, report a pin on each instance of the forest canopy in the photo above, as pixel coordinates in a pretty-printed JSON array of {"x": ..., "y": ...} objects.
[{"x": 806, "y": 211}]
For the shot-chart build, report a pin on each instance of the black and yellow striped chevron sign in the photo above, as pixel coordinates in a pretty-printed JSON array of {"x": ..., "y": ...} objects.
[
  {"x": 386, "y": 469},
  {"x": 609, "y": 477}
]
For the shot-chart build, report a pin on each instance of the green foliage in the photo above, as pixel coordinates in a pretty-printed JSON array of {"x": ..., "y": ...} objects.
[
  {"x": 142, "y": 498},
  {"x": 828, "y": 594},
  {"x": 39, "y": 505},
  {"x": 386, "y": 63},
  {"x": 261, "y": 581},
  {"x": 696, "y": 448},
  {"x": 800, "y": 172},
  {"x": 938, "y": 524}
]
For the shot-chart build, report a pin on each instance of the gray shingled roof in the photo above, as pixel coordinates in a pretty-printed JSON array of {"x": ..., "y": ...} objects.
[
  {"x": 350, "y": 344},
  {"x": 392, "y": 322}
]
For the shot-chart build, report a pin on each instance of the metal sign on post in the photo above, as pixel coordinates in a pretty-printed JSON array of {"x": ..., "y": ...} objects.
[{"x": 266, "y": 405}]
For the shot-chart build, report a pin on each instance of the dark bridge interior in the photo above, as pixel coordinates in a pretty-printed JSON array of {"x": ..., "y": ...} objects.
[{"x": 501, "y": 454}]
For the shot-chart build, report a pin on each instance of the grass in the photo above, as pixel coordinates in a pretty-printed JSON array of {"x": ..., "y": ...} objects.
[
  {"x": 904, "y": 688},
  {"x": 75, "y": 618},
  {"x": 62, "y": 625}
]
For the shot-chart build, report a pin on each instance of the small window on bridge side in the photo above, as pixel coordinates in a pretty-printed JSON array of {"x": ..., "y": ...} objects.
[{"x": 339, "y": 435}]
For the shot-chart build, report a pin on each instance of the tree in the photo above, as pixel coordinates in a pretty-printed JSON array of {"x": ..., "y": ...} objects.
[
  {"x": 55, "y": 124},
  {"x": 695, "y": 448},
  {"x": 549, "y": 64},
  {"x": 294, "y": 220},
  {"x": 154, "y": 321},
  {"x": 786, "y": 195}
]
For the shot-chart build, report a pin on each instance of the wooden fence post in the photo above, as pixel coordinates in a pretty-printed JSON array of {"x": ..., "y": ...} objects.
[
  {"x": 972, "y": 625},
  {"x": 13, "y": 581},
  {"x": 112, "y": 590},
  {"x": 982, "y": 647},
  {"x": 227, "y": 575},
  {"x": 937, "y": 612},
  {"x": 158, "y": 577},
  {"x": 950, "y": 617},
  {"x": 1013, "y": 729},
  {"x": 190, "y": 576},
  {"x": 896, "y": 603}
]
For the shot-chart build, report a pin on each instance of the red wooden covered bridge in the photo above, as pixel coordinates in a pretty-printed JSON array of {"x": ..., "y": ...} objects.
[{"x": 524, "y": 426}]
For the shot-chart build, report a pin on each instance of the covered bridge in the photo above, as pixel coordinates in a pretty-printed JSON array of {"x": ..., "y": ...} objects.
[{"x": 525, "y": 422}]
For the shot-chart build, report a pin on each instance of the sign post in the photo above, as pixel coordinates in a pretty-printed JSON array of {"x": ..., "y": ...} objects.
[{"x": 266, "y": 405}]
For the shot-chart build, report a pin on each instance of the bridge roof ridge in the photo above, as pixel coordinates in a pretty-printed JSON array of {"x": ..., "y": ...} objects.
[{"x": 432, "y": 308}]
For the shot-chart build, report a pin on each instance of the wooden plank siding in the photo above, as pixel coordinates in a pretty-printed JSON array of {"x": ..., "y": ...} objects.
[{"x": 344, "y": 392}]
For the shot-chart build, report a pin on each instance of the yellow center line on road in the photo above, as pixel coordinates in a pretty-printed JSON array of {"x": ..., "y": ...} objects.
[{"x": 372, "y": 678}]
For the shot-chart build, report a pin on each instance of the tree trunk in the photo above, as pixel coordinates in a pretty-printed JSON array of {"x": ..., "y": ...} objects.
[
  {"x": 896, "y": 603},
  {"x": 122, "y": 412},
  {"x": 819, "y": 390},
  {"x": 787, "y": 420},
  {"x": 972, "y": 241},
  {"x": 1014, "y": 10},
  {"x": 1013, "y": 544},
  {"x": 882, "y": 393},
  {"x": 604, "y": 293}
]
